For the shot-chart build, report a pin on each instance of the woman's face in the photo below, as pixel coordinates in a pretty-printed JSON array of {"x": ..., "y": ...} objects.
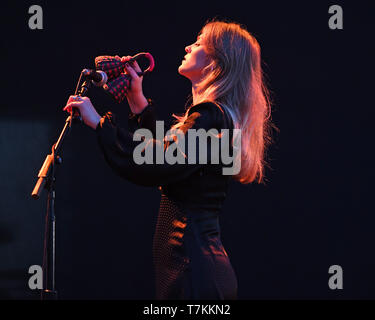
[{"x": 195, "y": 60}]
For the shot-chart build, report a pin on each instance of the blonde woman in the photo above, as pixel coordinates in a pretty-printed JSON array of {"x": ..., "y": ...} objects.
[{"x": 224, "y": 67}]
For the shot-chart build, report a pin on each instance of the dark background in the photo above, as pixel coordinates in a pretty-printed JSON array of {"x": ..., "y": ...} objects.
[{"x": 314, "y": 210}]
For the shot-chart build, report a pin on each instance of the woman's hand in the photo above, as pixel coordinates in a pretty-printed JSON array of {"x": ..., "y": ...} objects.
[
  {"x": 136, "y": 99},
  {"x": 88, "y": 113}
]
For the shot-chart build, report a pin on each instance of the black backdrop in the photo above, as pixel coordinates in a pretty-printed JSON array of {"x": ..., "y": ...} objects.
[{"x": 314, "y": 210}]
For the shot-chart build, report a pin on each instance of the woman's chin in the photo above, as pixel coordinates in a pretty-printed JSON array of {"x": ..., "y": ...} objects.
[
  {"x": 181, "y": 70},
  {"x": 185, "y": 72}
]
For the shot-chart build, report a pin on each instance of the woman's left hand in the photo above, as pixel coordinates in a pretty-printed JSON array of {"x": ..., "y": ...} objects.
[
  {"x": 88, "y": 113},
  {"x": 136, "y": 99}
]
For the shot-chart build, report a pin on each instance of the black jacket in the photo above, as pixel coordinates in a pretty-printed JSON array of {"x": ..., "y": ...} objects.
[{"x": 197, "y": 185}]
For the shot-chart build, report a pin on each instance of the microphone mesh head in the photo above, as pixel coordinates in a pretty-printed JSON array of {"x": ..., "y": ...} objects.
[{"x": 103, "y": 81}]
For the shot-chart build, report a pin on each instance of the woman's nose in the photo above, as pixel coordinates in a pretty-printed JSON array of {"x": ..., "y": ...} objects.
[{"x": 188, "y": 49}]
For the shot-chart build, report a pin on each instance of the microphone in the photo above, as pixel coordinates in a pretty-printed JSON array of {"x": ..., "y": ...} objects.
[{"x": 98, "y": 78}]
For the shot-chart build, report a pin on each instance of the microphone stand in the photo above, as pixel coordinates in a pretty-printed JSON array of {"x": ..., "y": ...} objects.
[{"x": 46, "y": 180}]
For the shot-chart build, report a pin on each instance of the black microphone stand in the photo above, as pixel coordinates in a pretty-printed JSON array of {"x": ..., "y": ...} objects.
[{"x": 46, "y": 179}]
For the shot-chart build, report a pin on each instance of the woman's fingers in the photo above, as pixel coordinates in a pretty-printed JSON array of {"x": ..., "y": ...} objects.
[
  {"x": 71, "y": 98},
  {"x": 131, "y": 71},
  {"x": 67, "y": 109},
  {"x": 123, "y": 60},
  {"x": 133, "y": 63},
  {"x": 131, "y": 68},
  {"x": 75, "y": 98},
  {"x": 73, "y": 104},
  {"x": 135, "y": 66}
]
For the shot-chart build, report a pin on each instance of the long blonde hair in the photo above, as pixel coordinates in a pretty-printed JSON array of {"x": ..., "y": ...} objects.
[{"x": 234, "y": 79}]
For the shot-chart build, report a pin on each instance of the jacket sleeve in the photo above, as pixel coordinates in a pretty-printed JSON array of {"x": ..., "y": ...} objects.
[
  {"x": 120, "y": 147},
  {"x": 145, "y": 119}
]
